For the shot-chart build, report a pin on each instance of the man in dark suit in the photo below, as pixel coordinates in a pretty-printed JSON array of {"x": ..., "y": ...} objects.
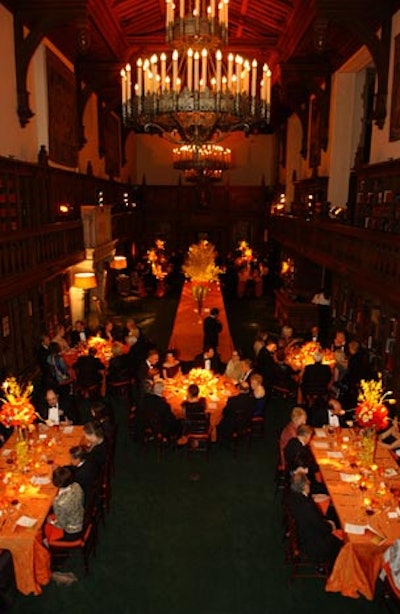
[
  {"x": 208, "y": 360},
  {"x": 266, "y": 362},
  {"x": 237, "y": 412},
  {"x": 317, "y": 378},
  {"x": 211, "y": 329},
  {"x": 84, "y": 472},
  {"x": 157, "y": 413},
  {"x": 298, "y": 456},
  {"x": 324, "y": 412},
  {"x": 89, "y": 369},
  {"x": 55, "y": 411},
  {"x": 314, "y": 531},
  {"x": 79, "y": 334},
  {"x": 148, "y": 371}
]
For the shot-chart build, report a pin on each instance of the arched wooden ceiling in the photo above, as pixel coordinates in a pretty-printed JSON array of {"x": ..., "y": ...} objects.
[{"x": 293, "y": 36}]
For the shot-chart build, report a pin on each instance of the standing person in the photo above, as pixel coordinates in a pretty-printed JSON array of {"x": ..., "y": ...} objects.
[{"x": 211, "y": 329}]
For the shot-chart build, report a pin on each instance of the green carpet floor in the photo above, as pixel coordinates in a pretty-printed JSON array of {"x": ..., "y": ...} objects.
[{"x": 191, "y": 536}]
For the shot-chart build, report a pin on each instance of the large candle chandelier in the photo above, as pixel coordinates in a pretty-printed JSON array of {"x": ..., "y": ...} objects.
[
  {"x": 196, "y": 93},
  {"x": 202, "y": 162}
]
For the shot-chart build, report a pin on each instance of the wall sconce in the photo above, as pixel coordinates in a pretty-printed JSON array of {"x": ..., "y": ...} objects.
[
  {"x": 64, "y": 208},
  {"x": 85, "y": 281},
  {"x": 118, "y": 263}
]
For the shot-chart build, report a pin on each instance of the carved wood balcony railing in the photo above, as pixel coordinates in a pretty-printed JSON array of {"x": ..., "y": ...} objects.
[
  {"x": 29, "y": 256},
  {"x": 368, "y": 259}
]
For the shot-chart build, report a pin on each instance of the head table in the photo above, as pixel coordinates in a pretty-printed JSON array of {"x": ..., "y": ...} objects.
[
  {"x": 367, "y": 502},
  {"x": 26, "y": 496}
]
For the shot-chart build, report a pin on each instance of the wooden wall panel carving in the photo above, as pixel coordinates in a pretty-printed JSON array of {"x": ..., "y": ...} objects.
[
  {"x": 394, "y": 134},
  {"x": 63, "y": 124},
  {"x": 112, "y": 145}
]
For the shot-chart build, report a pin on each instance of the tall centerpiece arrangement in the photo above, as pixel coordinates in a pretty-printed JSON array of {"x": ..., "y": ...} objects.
[
  {"x": 18, "y": 412},
  {"x": 201, "y": 269},
  {"x": 372, "y": 415}
]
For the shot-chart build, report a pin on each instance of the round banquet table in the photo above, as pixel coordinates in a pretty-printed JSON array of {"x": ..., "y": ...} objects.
[{"x": 214, "y": 388}]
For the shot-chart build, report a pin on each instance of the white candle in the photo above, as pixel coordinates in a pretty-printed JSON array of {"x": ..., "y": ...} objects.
[
  {"x": 174, "y": 70},
  {"x": 196, "y": 71},
  {"x": 146, "y": 65},
  {"x": 230, "y": 69},
  {"x": 197, "y": 8},
  {"x": 182, "y": 9},
  {"x": 247, "y": 77},
  {"x": 128, "y": 82},
  {"x": 178, "y": 85},
  {"x": 226, "y": 2},
  {"x": 190, "y": 69},
  {"x": 204, "y": 68},
  {"x": 239, "y": 62},
  {"x": 139, "y": 66},
  {"x": 233, "y": 84},
  {"x": 218, "y": 57},
  {"x": 163, "y": 59},
  {"x": 268, "y": 86},
  {"x": 224, "y": 82},
  {"x": 253, "y": 78},
  {"x": 262, "y": 89},
  {"x": 123, "y": 85},
  {"x": 167, "y": 84},
  {"x": 220, "y": 6},
  {"x": 212, "y": 6},
  {"x": 167, "y": 7}
]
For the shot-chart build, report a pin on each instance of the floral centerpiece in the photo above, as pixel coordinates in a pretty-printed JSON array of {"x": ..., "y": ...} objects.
[
  {"x": 18, "y": 412},
  {"x": 372, "y": 415},
  {"x": 201, "y": 269},
  {"x": 300, "y": 357}
]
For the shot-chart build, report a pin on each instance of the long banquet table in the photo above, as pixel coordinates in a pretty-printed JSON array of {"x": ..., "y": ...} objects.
[
  {"x": 355, "y": 493},
  {"x": 28, "y": 494},
  {"x": 187, "y": 333}
]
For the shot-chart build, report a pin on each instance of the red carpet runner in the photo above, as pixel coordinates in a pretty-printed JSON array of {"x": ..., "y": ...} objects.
[{"x": 187, "y": 334}]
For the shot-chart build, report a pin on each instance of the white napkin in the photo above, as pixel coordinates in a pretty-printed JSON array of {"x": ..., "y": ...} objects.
[
  {"x": 67, "y": 430},
  {"x": 38, "y": 481},
  {"x": 355, "y": 529},
  {"x": 319, "y": 432},
  {"x": 6, "y": 452},
  {"x": 26, "y": 521},
  {"x": 350, "y": 477},
  {"x": 321, "y": 445},
  {"x": 334, "y": 454}
]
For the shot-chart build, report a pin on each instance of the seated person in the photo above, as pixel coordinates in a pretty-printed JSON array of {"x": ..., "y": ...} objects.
[
  {"x": 84, "y": 472},
  {"x": 266, "y": 362},
  {"x": 234, "y": 367},
  {"x": 148, "y": 371},
  {"x": 194, "y": 405},
  {"x": 157, "y": 414},
  {"x": 298, "y": 417},
  {"x": 208, "y": 360},
  {"x": 284, "y": 376},
  {"x": 109, "y": 331},
  {"x": 59, "y": 338},
  {"x": 80, "y": 334},
  {"x": 247, "y": 370},
  {"x": 58, "y": 370},
  {"x": 89, "y": 369},
  {"x": 258, "y": 394},
  {"x": 315, "y": 532},
  {"x": 390, "y": 438},
  {"x": 96, "y": 445},
  {"x": 56, "y": 411},
  {"x": 103, "y": 417},
  {"x": 118, "y": 365},
  {"x": 317, "y": 377},
  {"x": 237, "y": 412},
  {"x": 66, "y": 522},
  {"x": 329, "y": 412},
  {"x": 171, "y": 365},
  {"x": 298, "y": 456}
]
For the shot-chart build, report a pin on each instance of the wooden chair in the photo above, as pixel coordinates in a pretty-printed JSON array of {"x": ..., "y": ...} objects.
[
  {"x": 198, "y": 434},
  {"x": 121, "y": 390},
  {"x": 85, "y": 544},
  {"x": 241, "y": 433},
  {"x": 300, "y": 564}
]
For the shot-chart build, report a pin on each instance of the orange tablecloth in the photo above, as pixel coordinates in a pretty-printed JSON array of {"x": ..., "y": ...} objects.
[
  {"x": 187, "y": 333},
  {"x": 31, "y": 559},
  {"x": 358, "y": 564},
  {"x": 175, "y": 392}
]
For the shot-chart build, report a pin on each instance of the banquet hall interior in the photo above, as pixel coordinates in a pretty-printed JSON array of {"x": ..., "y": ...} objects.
[{"x": 163, "y": 164}]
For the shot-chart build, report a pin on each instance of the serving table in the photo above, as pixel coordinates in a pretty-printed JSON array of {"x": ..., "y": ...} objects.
[
  {"x": 214, "y": 388},
  {"x": 187, "y": 333},
  {"x": 26, "y": 496},
  {"x": 367, "y": 504}
]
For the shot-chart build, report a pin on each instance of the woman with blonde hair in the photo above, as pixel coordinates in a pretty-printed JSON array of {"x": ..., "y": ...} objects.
[{"x": 257, "y": 391}]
